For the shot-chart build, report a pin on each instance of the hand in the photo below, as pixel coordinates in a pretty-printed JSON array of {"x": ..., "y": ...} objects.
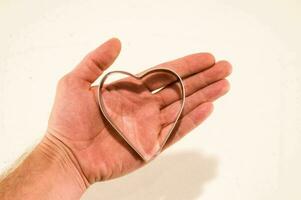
[{"x": 102, "y": 154}]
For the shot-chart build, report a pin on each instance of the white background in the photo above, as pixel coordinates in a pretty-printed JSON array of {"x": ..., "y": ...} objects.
[{"x": 248, "y": 149}]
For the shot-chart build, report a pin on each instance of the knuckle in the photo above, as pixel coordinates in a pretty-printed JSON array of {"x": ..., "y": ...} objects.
[{"x": 65, "y": 80}]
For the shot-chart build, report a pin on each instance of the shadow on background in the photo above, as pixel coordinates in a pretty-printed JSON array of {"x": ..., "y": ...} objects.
[{"x": 180, "y": 176}]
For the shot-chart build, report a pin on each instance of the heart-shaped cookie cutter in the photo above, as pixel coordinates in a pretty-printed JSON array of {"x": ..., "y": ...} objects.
[{"x": 140, "y": 76}]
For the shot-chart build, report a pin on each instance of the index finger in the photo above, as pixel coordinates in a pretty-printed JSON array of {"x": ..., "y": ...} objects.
[{"x": 184, "y": 67}]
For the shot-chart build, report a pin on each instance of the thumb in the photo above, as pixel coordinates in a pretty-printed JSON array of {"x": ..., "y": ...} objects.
[{"x": 92, "y": 66}]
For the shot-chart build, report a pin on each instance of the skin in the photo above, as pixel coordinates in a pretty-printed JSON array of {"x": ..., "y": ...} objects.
[{"x": 81, "y": 148}]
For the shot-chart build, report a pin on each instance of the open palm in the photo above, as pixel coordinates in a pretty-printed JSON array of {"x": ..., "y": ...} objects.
[{"x": 102, "y": 154}]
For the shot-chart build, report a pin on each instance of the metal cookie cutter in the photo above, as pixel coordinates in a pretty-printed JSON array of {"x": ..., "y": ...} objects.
[{"x": 140, "y": 76}]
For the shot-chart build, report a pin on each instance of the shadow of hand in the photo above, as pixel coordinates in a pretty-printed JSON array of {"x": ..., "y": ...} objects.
[{"x": 179, "y": 176}]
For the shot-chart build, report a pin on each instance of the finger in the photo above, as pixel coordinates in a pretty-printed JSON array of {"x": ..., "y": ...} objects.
[
  {"x": 184, "y": 67},
  {"x": 207, "y": 94},
  {"x": 195, "y": 82},
  {"x": 92, "y": 66},
  {"x": 188, "y": 122}
]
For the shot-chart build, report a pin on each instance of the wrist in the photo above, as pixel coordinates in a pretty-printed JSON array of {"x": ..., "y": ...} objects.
[
  {"x": 62, "y": 164},
  {"x": 49, "y": 172}
]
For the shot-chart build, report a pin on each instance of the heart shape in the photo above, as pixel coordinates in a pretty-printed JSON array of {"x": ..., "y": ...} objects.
[{"x": 141, "y": 145}]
